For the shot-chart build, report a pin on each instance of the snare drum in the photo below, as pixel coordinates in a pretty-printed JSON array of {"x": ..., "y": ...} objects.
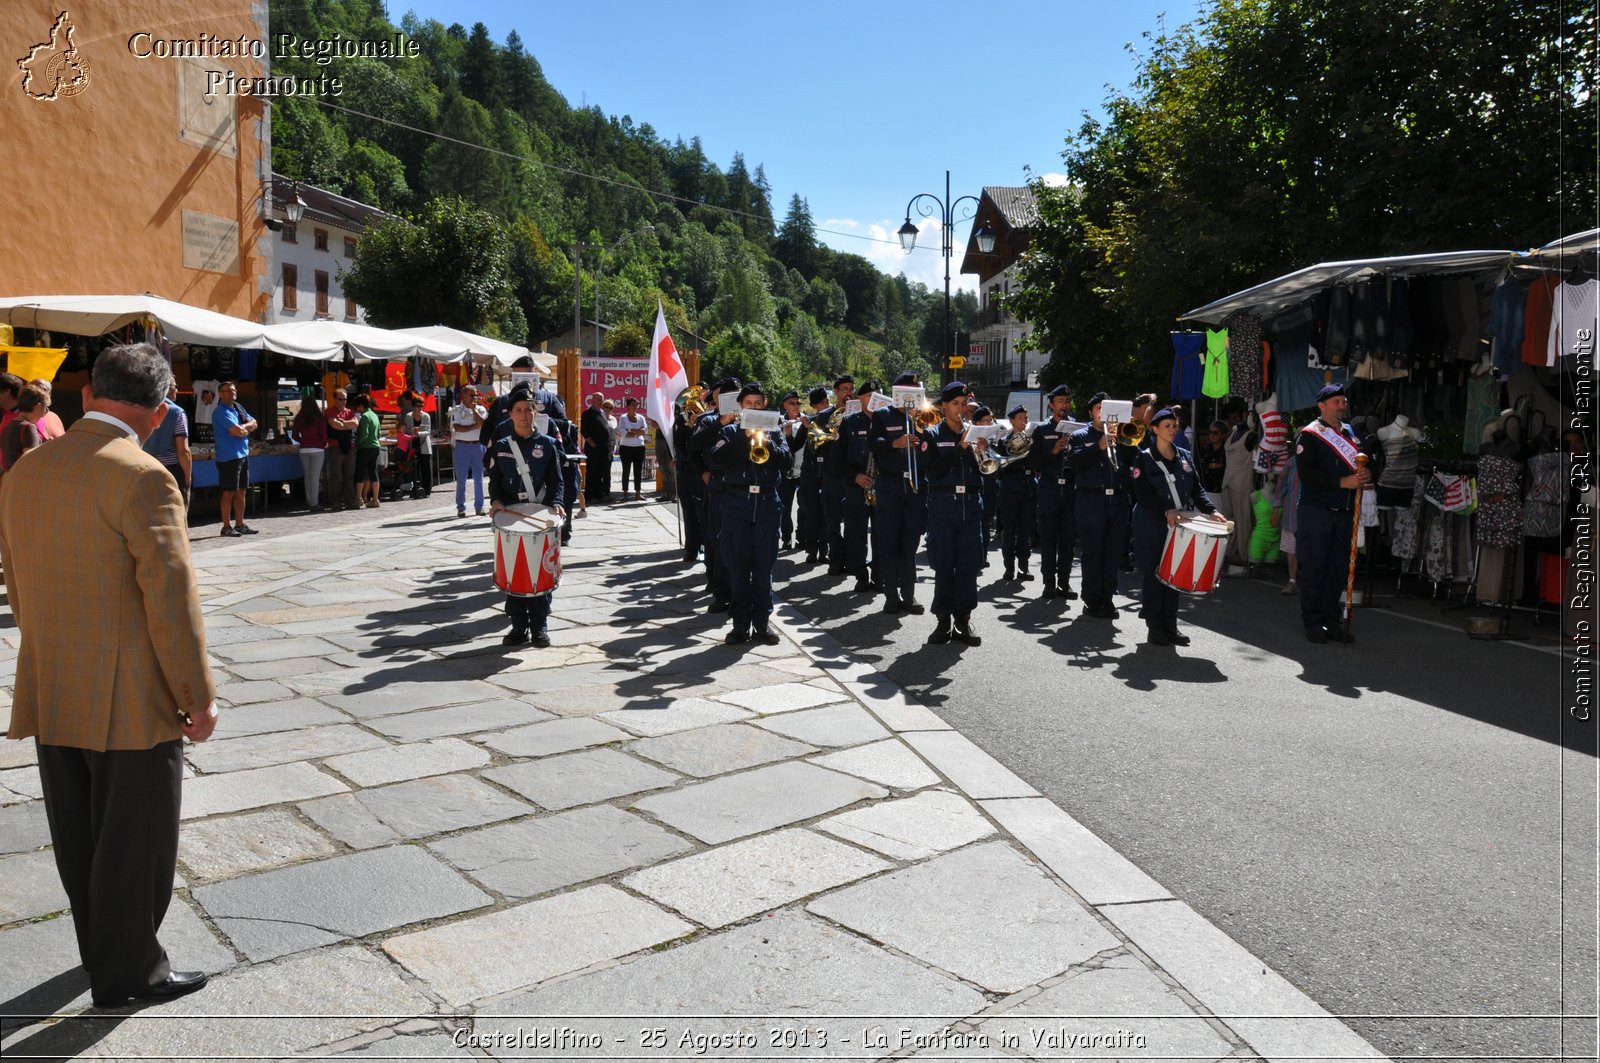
[
  {"x": 527, "y": 551},
  {"x": 1192, "y": 560}
]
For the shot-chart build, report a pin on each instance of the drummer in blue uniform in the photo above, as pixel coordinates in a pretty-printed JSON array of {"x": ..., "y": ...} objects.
[
  {"x": 523, "y": 467},
  {"x": 955, "y": 510},
  {"x": 750, "y": 519},
  {"x": 1325, "y": 460},
  {"x": 901, "y": 515},
  {"x": 1165, "y": 485},
  {"x": 1057, "y": 498},
  {"x": 855, "y": 449},
  {"x": 1102, "y": 508},
  {"x": 1017, "y": 491},
  {"x": 707, "y": 430}
]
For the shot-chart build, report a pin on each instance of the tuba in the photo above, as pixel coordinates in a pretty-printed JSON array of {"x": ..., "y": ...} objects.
[
  {"x": 694, "y": 402},
  {"x": 821, "y": 436}
]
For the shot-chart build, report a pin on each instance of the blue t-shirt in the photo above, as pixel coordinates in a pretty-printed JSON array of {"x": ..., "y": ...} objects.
[{"x": 229, "y": 446}]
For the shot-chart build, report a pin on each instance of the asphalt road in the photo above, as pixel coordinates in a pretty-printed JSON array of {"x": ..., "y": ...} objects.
[{"x": 1382, "y": 823}]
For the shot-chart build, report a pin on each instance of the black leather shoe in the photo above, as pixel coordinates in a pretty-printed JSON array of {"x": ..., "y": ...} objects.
[
  {"x": 892, "y": 606},
  {"x": 1157, "y": 636},
  {"x": 866, "y": 586},
  {"x": 1177, "y": 639},
  {"x": 964, "y": 633},
  {"x": 787, "y": 546},
  {"x": 1009, "y": 576},
  {"x": 1339, "y": 634},
  {"x": 516, "y": 637},
  {"x": 1051, "y": 592},
  {"x": 912, "y": 606},
  {"x": 541, "y": 638},
  {"x": 1067, "y": 592},
  {"x": 836, "y": 570},
  {"x": 941, "y": 633},
  {"x": 176, "y": 984},
  {"x": 1316, "y": 634},
  {"x": 767, "y": 637},
  {"x": 736, "y": 638},
  {"x": 1025, "y": 576},
  {"x": 721, "y": 605},
  {"x": 811, "y": 558}
]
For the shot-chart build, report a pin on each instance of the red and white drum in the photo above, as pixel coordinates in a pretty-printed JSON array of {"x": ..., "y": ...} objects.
[
  {"x": 527, "y": 551},
  {"x": 1192, "y": 560}
]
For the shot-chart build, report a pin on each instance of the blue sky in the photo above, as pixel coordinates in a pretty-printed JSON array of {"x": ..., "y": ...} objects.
[{"x": 855, "y": 106}]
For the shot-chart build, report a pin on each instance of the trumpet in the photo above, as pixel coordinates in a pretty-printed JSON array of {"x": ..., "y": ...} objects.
[
  {"x": 926, "y": 416},
  {"x": 694, "y": 401},
  {"x": 1123, "y": 434},
  {"x": 760, "y": 453}
]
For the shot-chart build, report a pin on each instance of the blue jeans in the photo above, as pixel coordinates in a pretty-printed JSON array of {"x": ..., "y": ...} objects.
[{"x": 469, "y": 460}]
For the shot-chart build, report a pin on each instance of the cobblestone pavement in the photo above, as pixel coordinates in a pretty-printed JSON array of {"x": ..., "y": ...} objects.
[{"x": 407, "y": 841}]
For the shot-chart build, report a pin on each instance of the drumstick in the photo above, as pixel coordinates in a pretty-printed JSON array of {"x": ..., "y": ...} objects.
[{"x": 1355, "y": 535}]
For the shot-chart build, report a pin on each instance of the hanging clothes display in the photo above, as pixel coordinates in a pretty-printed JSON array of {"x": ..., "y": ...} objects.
[
  {"x": 1536, "y": 320},
  {"x": 1369, "y": 319},
  {"x": 1274, "y": 445},
  {"x": 1507, "y": 314},
  {"x": 1244, "y": 355},
  {"x": 1541, "y": 509},
  {"x": 1499, "y": 501},
  {"x": 1483, "y": 406},
  {"x": 1188, "y": 365},
  {"x": 1215, "y": 384},
  {"x": 1574, "y": 311},
  {"x": 1395, "y": 482},
  {"x": 1400, "y": 329},
  {"x": 1336, "y": 337},
  {"x": 1403, "y": 537}
]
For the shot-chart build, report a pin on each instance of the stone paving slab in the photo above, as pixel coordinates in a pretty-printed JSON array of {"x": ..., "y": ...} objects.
[
  {"x": 20, "y": 784},
  {"x": 738, "y": 805},
  {"x": 375, "y": 767},
  {"x": 519, "y": 947},
  {"x": 32, "y": 886},
  {"x": 977, "y": 773},
  {"x": 834, "y": 726},
  {"x": 736, "y": 881},
  {"x": 984, "y": 914},
  {"x": 681, "y": 714},
  {"x": 420, "y": 1046},
  {"x": 292, "y": 715},
  {"x": 914, "y": 828},
  {"x": 23, "y": 828},
  {"x": 239, "y": 790},
  {"x": 894, "y": 708},
  {"x": 17, "y": 754},
  {"x": 279, "y": 747},
  {"x": 238, "y": 845},
  {"x": 1098, "y": 873},
  {"x": 458, "y": 720},
  {"x": 272, "y": 670},
  {"x": 275, "y": 649},
  {"x": 583, "y": 778},
  {"x": 556, "y": 736},
  {"x": 416, "y": 809},
  {"x": 789, "y": 964},
  {"x": 386, "y": 699},
  {"x": 718, "y": 749},
  {"x": 537, "y": 856},
  {"x": 784, "y": 697},
  {"x": 278, "y": 912},
  {"x": 888, "y": 763},
  {"x": 250, "y": 693}
]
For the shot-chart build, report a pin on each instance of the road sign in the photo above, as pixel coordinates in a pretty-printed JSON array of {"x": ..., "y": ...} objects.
[{"x": 957, "y": 362}]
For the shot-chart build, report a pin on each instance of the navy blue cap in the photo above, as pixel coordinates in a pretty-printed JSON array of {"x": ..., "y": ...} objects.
[
  {"x": 752, "y": 388},
  {"x": 980, "y": 413},
  {"x": 907, "y": 379},
  {"x": 867, "y": 389},
  {"x": 1166, "y": 413},
  {"x": 1018, "y": 408},
  {"x": 952, "y": 391},
  {"x": 728, "y": 383},
  {"x": 1059, "y": 389},
  {"x": 817, "y": 396},
  {"x": 1329, "y": 391},
  {"x": 790, "y": 394},
  {"x": 1096, "y": 399}
]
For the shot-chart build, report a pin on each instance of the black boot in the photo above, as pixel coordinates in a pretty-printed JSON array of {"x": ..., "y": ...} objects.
[
  {"x": 1177, "y": 639},
  {"x": 1025, "y": 576},
  {"x": 941, "y": 632},
  {"x": 1066, "y": 592},
  {"x": 1156, "y": 635},
  {"x": 1010, "y": 574},
  {"x": 964, "y": 632}
]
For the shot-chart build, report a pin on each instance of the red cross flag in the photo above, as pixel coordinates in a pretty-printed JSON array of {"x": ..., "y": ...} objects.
[{"x": 667, "y": 378}]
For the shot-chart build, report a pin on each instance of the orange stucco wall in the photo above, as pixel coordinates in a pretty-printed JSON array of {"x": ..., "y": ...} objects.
[{"x": 94, "y": 184}]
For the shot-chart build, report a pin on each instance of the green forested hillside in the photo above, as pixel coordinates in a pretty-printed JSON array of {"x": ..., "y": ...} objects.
[{"x": 473, "y": 126}]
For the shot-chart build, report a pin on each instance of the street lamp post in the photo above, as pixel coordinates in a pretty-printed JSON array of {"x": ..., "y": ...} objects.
[
  {"x": 577, "y": 283},
  {"x": 928, "y": 205}
]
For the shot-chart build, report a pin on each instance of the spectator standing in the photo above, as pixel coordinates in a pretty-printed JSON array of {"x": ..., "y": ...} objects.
[
  {"x": 233, "y": 427},
  {"x": 10, "y": 387},
  {"x": 596, "y": 432},
  {"x": 309, "y": 432},
  {"x": 169, "y": 444},
  {"x": 50, "y": 426},
  {"x": 1211, "y": 458},
  {"x": 467, "y": 421},
  {"x": 666, "y": 463},
  {"x": 422, "y": 430},
  {"x": 368, "y": 445},
  {"x": 631, "y": 431},
  {"x": 21, "y": 433},
  {"x": 341, "y": 454}
]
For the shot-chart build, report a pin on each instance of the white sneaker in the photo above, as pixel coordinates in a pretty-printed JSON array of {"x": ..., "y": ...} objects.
[{"x": 1291, "y": 588}]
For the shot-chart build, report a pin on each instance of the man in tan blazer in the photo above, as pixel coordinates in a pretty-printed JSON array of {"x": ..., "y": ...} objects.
[{"x": 112, "y": 670}]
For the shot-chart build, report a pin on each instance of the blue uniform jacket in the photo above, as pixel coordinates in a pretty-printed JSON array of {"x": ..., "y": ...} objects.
[
  {"x": 1320, "y": 469},
  {"x": 543, "y": 455},
  {"x": 1050, "y": 468},
  {"x": 950, "y": 465},
  {"x": 707, "y": 431},
  {"x": 750, "y": 491},
  {"x": 1092, "y": 466},
  {"x": 1153, "y": 494},
  {"x": 888, "y": 426}
]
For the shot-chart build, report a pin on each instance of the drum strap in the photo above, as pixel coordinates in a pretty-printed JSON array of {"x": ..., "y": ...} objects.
[
  {"x": 1172, "y": 486},
  {"x": 522, "y": 468}
]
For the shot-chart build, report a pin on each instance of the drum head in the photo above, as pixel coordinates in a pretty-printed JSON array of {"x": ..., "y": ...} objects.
[
  {"x": 1205, "y": 526},
  {"x": 526, "y": 519}
]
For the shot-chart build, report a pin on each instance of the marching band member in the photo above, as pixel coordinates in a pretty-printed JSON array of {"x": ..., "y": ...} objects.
[
  {"x": 855, "y": 437},
  {"x": 1325, "y": 459},
  {"x": 990, "y": 493},
  {"x": 833, "y": 477},
  {"x": 1017, "y": 490},
  {"x": 1165, "y": 483},
  {"x": 707, "y": 430},
  {"x": 794, "y": 437},
  {"x": 691, "y": 489},
  {"x": 1102, "y": 508},
  {"x": 1057, "y": 498},
  {"x": 750, "y": 521},
  {"x": 812, "y": 540},
  {"x": 901, "y": 515},
  {"x": 565, "y": 433},
  {"x": 524, "y": 466},
  {"x": 954, "y": 512}
]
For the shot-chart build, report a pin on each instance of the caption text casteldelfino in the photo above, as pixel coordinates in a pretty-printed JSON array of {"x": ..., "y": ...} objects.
[{"x": 320, "y": 50}]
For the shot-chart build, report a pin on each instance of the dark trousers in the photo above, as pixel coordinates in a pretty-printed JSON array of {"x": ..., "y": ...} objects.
[
  {"x": 788, "y": 489},
  {"x": 954, "y": 545},
  {"x": 857, "y": 515},
  {"x": 750, "y": 549},
  {"x": 114, "y": 824},
  {"x": 632, "y": 461},
  {"x": 991, "y": 510},
  {"x": 597, "y": 478},
  {"x": 1058, "y": 532},
  {"x": 424, "y": 482},
  {"x": 1158, "y": 603},
  {"x": 1322, "y": 543},
  {"x": 716, "y": 570},
  {"x": 528, "y": 613},
  {"x": 808, "y": 500},
  {"x": 569, "y": 485},
  {"x": 833, "y": 519},
  {"x": 1016, "y": 522},
  {"x": 898, "y": 521},
  {"x": 692, "y": 503},
  {"x": 1102, "y": 529}
]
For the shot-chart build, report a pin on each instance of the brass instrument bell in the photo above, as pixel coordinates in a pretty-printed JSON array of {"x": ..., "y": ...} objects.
[
  {"x": 694, "y": 401},
  {"x": 760, "y": 453}
]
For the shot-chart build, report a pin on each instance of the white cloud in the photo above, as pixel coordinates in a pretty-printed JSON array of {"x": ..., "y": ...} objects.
[
  {"x": 1054, "y": 180},
  {"x": 881, "y": 247}
]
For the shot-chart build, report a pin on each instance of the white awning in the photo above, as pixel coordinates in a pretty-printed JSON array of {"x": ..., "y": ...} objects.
[
  {"x": 1291, "y": 289},
  {"x": 487, "y": 347},
  {"x": 373, "y": 344},
  {"x": 95, "y": 315},
  {"x": 1551, "y": 254}
]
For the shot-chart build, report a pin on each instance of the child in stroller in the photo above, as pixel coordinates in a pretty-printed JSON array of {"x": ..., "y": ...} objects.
[{"x": 403, "y": 472}]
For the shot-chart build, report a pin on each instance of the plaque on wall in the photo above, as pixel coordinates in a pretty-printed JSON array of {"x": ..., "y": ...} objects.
[
  {"x": 205, "y": 121},
  {"x": 210, "y": 243}
]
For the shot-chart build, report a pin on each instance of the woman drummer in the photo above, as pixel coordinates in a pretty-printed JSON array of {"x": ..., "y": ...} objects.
[
  {"x": 524, "y": 467},
  {"x": 1165, "y": 483}
]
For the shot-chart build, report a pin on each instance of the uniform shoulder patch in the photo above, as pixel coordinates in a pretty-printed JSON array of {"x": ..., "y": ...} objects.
[
  {"x": 1299, "y": 448},
  {"x": 1137, "y": 472}
]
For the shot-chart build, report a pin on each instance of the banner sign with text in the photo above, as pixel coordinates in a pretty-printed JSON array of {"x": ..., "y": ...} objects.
[{"x": 615, "y": 378}]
